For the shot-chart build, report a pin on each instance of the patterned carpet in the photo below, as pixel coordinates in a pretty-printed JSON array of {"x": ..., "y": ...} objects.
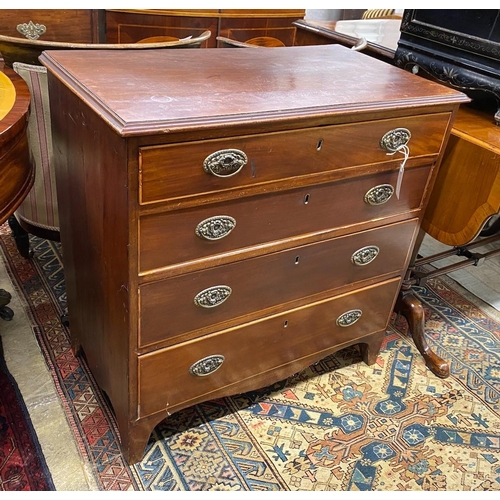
[
  {"x": 22, "y": 465},
  {"x": 338, "y": 426}
]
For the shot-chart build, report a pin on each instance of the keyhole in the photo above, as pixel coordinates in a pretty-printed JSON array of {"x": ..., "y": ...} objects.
[
  {"x": 297, "y": 259},
  {"x": 285, "y": 324},
  {"x": 320, "y": 145},
  {"x": 306, "y": 199}
]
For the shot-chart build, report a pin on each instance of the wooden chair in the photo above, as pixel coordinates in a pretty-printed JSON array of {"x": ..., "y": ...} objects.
[{"x": 38, "y": 214}]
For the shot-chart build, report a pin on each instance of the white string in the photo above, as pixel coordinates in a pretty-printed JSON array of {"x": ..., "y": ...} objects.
[{"x": 405, "y": 150}]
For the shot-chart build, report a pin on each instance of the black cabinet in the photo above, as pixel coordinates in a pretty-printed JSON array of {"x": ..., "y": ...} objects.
[{"x": 458, "y": 47}]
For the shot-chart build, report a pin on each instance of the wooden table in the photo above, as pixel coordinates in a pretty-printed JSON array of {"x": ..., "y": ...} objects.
[
  {"x": 16, "y": 173},
  {"x": 382, "y": 35},
  {"x": 467, "y": 189}
]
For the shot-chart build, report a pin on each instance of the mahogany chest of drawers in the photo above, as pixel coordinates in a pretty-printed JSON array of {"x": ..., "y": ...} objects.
[{"x": 231, "y": 216}]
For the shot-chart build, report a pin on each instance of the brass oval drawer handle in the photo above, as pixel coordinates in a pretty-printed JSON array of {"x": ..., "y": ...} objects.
[
  {"x": 207, "y": 366},
  {"x": 395, "y": 139},
  {"x": 31, "y": 30},
  {"x": 215, "y": 228},
  {"x": 379, "y": 195},
  {"x": 349, "y": 317},
  {"x": 213, "y": 296},
  {"x": 225, "y": 163},
  {"x": 365, "y": 255}
]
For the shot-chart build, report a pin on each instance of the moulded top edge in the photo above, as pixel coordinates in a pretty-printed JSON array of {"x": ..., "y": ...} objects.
[{"x": 162, "y": 90}]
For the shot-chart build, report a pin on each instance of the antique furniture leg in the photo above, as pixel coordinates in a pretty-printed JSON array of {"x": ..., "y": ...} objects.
[
  {"x": 6, "y": 313},
  {"x": 21, "y": 237},
  {"x": 411, "y": 308},
  {"x": 370, "y": 350}
]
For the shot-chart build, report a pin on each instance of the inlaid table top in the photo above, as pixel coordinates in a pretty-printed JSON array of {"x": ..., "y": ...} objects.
[
  {"x": 16, "y": 172},
  {"x": 7, "y": 95}
]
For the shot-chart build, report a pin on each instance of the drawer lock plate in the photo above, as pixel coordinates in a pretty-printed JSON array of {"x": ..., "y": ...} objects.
[{"x": 207, "y": 366}]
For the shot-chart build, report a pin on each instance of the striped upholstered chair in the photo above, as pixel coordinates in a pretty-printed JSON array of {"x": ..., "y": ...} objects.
[
  {"x": 38, "y": 213},
  {"x": 380, "y": 14}
]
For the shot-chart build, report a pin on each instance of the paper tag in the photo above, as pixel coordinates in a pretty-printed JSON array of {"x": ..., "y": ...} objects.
[{"x": 405, "y": 150}]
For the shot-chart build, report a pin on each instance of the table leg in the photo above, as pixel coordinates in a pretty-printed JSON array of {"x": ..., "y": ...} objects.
[
  {"x": 411, "y": 308},
  {"x": 6, "y": 313}
]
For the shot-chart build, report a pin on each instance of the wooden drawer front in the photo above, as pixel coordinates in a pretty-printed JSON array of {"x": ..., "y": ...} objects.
[
  {"x": 130, "y": 27},
  {"x": 55, "y": 25},
  {"x": 165, "y": 379},
  {"x": 169, "y": 238},
  {"x": 177, "y": 170},
  {"x": 168, "y": 308}
]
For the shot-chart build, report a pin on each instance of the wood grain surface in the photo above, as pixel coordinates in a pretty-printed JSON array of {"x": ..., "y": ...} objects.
[
  {"x": 167, "y": 91},
  {"x": 16, "y": 171}
]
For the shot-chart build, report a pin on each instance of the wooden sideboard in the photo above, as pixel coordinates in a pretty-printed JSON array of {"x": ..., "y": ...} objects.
[
  {"x": 132, "y": 25},
  {"x": 55, "y": 25},
  {"x": 128, "y": 26},
  {"x": 224, "y": 228}
]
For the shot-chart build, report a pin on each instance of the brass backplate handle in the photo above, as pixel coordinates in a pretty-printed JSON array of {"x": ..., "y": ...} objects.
[
  {"x": 215, "y": 228},
  {"x": 225, "y": 163},
  {"x": 395, "y": 139},
  {"x": 31, "y": 30},
  {"x": 207, "y": 366},
  {"x": 349, "y": 317},
  {"x": 365, "y": 255},
  {"x": 379, "y": 195},
  {"x": 213, "y": 296}
]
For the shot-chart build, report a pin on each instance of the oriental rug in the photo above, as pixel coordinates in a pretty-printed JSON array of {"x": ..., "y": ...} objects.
[
  {"x": 337, "y": 426},
  {"x": 22, "y": 464}
]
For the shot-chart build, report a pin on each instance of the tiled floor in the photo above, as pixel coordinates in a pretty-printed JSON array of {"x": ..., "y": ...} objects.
[{"x": 26, "y": 363}]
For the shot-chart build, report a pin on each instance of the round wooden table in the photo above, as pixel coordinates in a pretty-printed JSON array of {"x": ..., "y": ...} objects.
[{"x": 16, "y": 172}]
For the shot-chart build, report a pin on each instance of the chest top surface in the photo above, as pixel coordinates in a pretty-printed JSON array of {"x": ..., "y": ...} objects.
[{"x": 177, "y": 89}]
